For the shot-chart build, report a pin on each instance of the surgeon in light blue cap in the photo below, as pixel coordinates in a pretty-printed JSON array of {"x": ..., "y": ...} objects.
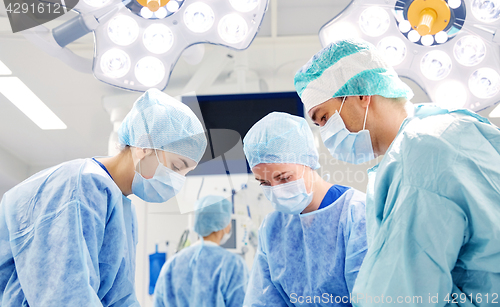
[
  {"x": 68, "y": 234},
  {"x": 205, "y": 274},
  {"x": 433, "y": 201},
  {"x": 312, "y": 246}
]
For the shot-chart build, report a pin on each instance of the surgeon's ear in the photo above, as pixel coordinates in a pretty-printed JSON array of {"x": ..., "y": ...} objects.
[
  {"x": 148, "y": 151},
  {"x": 365, "y": 101},
  {"x": 140, "y": 153}
]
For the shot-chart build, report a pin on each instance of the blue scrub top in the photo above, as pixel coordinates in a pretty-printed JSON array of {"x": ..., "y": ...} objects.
[
  {"x": 303, "y": 257},
  {"x": 433, "y": 212},
  {"x": 103, "y": 167},
  {"x": 67, "y": 238},
  {"x": 208, "y": 276}
]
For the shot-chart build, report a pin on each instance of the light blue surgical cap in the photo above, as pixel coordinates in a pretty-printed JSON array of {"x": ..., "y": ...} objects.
[
  {"x": 212, "y": 213},
  {"x": 348, "y": 67},
  {"x": 158, "y": 121},
  {"x": 281, "y": 138}
]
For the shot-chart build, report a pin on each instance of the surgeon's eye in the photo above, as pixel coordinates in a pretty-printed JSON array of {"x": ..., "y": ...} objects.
[
  {"x": 286, "y": 179},
  {"x": 264, "y": 183},
  {"x": 175, "y": 168},
  {"x": 322, "y": 121}
]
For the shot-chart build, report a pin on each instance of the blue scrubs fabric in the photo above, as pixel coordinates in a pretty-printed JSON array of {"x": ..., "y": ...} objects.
[
  {"x": 67, "y": 238},
  {"x": 213, "y": 277},
  {"x": 310, "y": 259},
  {"x": 433, "y": 214}
]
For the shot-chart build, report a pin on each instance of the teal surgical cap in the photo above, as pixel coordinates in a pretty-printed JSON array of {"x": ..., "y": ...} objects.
[
  {"x": 158, "y": 121},
  {"x": 281, "y": 138},
  {"x": 212, "y": 213},
  {"x": 349, "y": 67}
]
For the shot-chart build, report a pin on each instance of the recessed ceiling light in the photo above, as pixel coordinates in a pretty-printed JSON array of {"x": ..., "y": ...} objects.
[{"x": 23, "y": 98}]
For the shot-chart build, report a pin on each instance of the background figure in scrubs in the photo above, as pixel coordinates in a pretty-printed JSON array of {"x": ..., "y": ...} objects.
[
  {"x": 68, "y": 234},
  {"x": 433, "y": 201},
  {"x": 205, "y": 274},
  {"x": 312, "y": 246}
]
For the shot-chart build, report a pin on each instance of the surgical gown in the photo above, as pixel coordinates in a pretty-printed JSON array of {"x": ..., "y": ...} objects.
[
  {"x": 67, "y": 238},
  {"x": 212, "y": 277},
  {"x": 309, "y": 259},
  {"x": 433, "y": 215}
]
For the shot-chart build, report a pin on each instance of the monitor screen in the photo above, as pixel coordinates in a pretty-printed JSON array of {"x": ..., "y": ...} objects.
[{"x": 228, "y": 118}]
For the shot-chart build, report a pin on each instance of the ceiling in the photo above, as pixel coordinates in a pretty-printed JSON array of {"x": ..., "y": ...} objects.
[{"x": 288, "y": 38}]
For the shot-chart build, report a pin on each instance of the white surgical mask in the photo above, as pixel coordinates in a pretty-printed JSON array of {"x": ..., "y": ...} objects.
[
  {"x": 290, "y": 197},
  {"x": 164, "y": 185},
  {"x": 351, "y": 147}
]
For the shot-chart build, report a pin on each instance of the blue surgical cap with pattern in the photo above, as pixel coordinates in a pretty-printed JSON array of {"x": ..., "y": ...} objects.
[
  {"x": 212, "y": 213},
  {"x": 281, "y": 138},
  {"x": 158, "y": 121}
]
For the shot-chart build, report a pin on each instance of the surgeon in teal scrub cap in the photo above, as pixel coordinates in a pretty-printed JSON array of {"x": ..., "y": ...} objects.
[
  {"x": 68, "y": 234},
  {"x": 433, "y": 201}
]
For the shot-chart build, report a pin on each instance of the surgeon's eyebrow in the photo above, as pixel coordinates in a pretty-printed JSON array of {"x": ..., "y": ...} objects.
[
  {"x": 261, "y": 180},
  {"x": 313, "y": 117},
  {"x": 279, "y": 175}
]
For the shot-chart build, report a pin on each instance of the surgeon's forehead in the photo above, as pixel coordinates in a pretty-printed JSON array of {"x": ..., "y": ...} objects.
[
  {"x": 268, "y": 170},
  {"x": 313, "y": 113}
]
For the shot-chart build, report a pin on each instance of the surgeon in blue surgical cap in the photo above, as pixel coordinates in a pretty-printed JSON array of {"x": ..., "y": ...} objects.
[
  {"x": 433, "y": 201},
  {"x": 68, "y": 234},
  {"x": 312, "y": 246},
  {"x": 205, "y": 274}
]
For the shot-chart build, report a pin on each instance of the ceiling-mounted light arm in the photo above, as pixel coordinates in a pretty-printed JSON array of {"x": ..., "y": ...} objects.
[
  {"x": 73, "y": 29},
  {"x": 42, "y": 37},
  {"x": 83, "y": 24}
]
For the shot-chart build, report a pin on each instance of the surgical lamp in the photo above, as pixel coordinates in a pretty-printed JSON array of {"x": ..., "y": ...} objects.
[
  {"x": 138, "y": 42},
  {"x": 449, "y": 48}
]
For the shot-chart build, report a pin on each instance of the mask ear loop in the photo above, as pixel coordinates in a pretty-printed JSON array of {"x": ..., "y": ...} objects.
[
  {"x": 343, "y": 100},
  {"x": 366, "y": 114},
  {"x": 303, "y": 173},
  {"x": 139, "y": 166},
  {"x": 156, "y": 154}
]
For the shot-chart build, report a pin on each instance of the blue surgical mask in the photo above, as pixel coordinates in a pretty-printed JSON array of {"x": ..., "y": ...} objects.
[
  {"x": 290, "y": 197},
  {"x": 351, "y": 147},
  {"x": 164, "y": 185}
]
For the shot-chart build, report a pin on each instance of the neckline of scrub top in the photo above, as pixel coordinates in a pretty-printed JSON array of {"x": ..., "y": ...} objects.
[
  {"x": 332, "y": 195},
  {"x": 206, "y": 242},
  {"x": 103, "y": 167},
  {"x": 416, "y": 111}
]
